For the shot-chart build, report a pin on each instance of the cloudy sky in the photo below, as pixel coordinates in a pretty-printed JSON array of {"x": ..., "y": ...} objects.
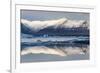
[{"x": 34, "y": 15}]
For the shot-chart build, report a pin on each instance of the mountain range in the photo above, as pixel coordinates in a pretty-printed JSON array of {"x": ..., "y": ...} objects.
[{"x": 58, "y": 27}]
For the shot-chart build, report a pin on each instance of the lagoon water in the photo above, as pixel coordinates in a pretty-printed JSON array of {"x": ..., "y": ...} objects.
[{"x": 44, "y": 49}]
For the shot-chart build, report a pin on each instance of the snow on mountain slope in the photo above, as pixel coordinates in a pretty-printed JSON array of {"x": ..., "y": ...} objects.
[{"x": 62, "y": 22}]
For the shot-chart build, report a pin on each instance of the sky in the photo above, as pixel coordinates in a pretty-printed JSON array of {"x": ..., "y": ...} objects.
[{"x": 37, "y": 15}]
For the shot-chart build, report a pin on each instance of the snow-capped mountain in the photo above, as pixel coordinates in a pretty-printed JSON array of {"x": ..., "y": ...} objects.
[{"x": 61, "y": 26}]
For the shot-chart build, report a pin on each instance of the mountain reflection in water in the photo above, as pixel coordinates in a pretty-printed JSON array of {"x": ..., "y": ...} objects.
[
  {"x": 34, "y": 50},
  {"x": 60, "y": 51}
]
